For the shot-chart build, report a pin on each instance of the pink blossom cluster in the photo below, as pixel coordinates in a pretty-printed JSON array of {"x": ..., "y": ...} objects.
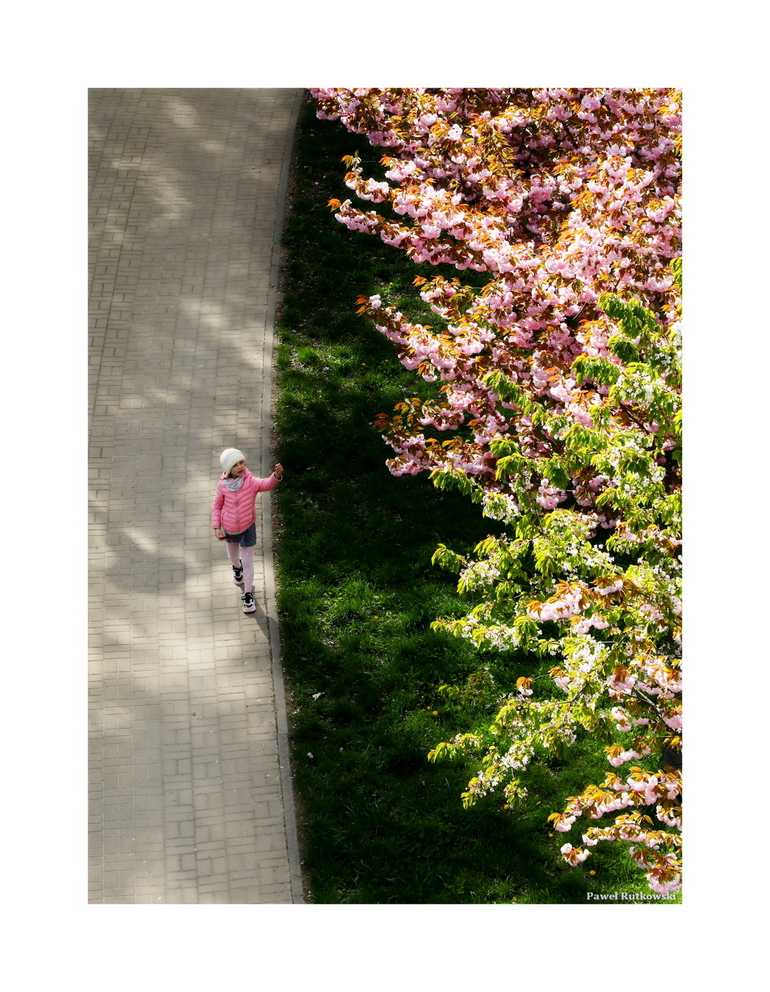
[
  {"x": 573, "y": 855},
  {"x": 558, "y": 203},
  {"x": 568, "y": 602},
  {"x": 583, "y": 624},
  {"x": 621, "y": 757},
  {"x": 660, "y": 851}
]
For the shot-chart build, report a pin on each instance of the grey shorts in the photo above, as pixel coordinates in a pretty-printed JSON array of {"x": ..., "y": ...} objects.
[{"x": 246, "y": 539}]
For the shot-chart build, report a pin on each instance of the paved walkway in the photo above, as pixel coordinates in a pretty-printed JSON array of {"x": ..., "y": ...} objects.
[{"x": 190, "y": 787}]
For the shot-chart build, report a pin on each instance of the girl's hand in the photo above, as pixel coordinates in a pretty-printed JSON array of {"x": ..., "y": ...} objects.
[
  {"x": 219, "y": 533},
  {"x": 278, "y": 471}
]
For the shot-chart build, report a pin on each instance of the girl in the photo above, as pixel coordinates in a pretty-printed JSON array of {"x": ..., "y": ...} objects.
[{"x": 233, "y": 517}]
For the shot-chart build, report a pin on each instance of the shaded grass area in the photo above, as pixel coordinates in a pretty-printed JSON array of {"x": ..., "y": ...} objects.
[{"x": 357, "y": 593}]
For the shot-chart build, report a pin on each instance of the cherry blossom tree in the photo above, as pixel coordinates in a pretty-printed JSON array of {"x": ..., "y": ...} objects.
[{"x": 556, "y": 408}]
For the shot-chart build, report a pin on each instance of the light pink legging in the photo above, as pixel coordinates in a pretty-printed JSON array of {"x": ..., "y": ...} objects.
[{"x": 246, "y": 555}]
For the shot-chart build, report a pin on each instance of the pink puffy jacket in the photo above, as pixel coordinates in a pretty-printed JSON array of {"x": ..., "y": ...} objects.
[{"x": 234, "y": 511}]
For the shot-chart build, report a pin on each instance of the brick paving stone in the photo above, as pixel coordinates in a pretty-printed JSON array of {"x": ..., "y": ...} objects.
[{"x": 189, "y": 782}]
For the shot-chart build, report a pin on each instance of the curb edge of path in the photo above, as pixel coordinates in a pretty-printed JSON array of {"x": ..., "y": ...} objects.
[{"x": 282, "y": 725}]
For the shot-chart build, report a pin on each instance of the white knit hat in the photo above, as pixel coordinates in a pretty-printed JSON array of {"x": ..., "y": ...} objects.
[{"x": 230, "y": 457}]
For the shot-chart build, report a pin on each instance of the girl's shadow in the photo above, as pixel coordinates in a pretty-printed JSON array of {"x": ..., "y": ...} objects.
[{"x": 259, "y": 617}]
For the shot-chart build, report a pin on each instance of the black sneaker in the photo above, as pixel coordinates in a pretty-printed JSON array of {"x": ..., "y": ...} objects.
[
  {"x": 249, "y": 606},
  {"x": 238, "y": 574}
]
